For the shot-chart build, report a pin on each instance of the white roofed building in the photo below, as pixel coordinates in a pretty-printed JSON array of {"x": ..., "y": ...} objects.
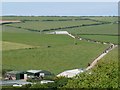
[
  {"x": 70, "y": 73},
  {"x": 38, "y": 73},
  {"x": 59, "y": 32}
]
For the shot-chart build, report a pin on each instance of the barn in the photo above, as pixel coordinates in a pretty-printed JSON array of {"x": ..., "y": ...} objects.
[
  {"x": 15, "y": 75},
  {"x": 59, "y": 32},
  {"x": 38, "y": 73}
]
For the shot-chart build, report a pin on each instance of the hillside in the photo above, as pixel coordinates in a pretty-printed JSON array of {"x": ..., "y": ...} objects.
[{"x": 103, "y": 75}]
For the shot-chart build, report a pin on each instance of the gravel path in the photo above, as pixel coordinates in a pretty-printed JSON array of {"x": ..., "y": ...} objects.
[
  {"x": 101, "y": 56},
  {"x": 74, "y": 72},
  {"x": 111, "y": 47}
]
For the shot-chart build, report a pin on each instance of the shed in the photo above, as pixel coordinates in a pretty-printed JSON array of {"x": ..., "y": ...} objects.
[
  {"x": 16, "y": 75},
  {"x": 59, "y": 32},
  {"x": 38, "y": 73}
]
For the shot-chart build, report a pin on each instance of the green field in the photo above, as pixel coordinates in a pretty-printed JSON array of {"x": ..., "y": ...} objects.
[
  {"x": 99, "y": 29},
  {"x": 62, "y": 54},
  {"x": 51, "y": 24},
  {"x": 40, "y": 18},
  {"x": 103, "y": 33},
  {"x": 12, "y": 46},
  {"x": 103, "y": 38},
  {"x": 106, "y": 19},
  {"x": 55, "y": 53}
]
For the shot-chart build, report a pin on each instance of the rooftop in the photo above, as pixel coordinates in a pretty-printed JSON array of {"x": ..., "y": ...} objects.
[
  {"x": 15, "y": 72},
  {"x": 34, "y": 71}
]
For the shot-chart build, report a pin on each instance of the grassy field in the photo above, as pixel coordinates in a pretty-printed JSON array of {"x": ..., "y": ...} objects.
[
  {"x": 102, "y": 38},
  {"x": 105, "y": 19},
  {"x": 14, "y": 30},
  {"x": 51, "y": 24},
  {"x": 12, "y": 46},
  {"x": 40, "y": 18},
  {"x": 62, "y": 54},
  {"x": 55, "y": 53},
  {"x": 104, "y": 33},
  {"x": 99, "y": 29}
]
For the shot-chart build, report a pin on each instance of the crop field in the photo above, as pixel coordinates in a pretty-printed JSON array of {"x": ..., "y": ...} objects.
[{"x": 24, "y": 49}]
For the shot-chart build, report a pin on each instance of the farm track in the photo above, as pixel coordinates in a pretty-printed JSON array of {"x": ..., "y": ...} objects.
[
  {"x": 100, "y": 57},
  {"x": 106, "y": 51}
]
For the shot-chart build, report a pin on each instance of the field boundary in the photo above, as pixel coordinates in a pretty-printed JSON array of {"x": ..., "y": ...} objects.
[{"x": 60, "y": 28}]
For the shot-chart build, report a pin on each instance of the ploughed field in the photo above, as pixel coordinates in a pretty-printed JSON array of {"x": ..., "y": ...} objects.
[{"x": 24, "y": 48}]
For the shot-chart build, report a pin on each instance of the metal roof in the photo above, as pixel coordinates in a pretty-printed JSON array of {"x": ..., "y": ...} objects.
[
  {"x": 34, "y": 71},
  {"x": 15, "y": 72}
]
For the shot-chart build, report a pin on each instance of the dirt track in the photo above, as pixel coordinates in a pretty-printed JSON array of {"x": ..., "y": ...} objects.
[{"x": 111, "y": 47}]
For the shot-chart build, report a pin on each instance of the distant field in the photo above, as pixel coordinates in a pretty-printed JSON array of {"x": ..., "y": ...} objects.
[
  {"x": 102, "y": 38},
  {"x": 14, "y": 30},
  {"x": 106, "y": 19},
  {"x": 104, "y": 33},
  {"x": 38, "y": 18},
  {"x": 99, "y": 29},
  {"x": 51, "y": 24}
]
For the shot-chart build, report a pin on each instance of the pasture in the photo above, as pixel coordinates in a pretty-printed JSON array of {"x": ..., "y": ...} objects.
[
  {"x": 103, "y": 33},
  {"x": 109, "y": 29},
  {"x": 46, "y": 25},
  {"x": 62, "y": 54},
  {"x": 55, "y": 53},
  {"x": 12, "y": 46}
]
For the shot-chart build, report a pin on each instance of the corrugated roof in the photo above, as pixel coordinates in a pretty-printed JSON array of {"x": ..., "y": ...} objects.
[
  {"x": 15, "y": 72},
  {"x": 34, "y": 71}
]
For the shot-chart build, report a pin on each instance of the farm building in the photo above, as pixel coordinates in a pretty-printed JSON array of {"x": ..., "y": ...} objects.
[
  {"x": 59, "y": 32},
  {"x": 38, "y": 73},
  {"x": 15, "y": 75},
  {"x": 70, "y": 73}
]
